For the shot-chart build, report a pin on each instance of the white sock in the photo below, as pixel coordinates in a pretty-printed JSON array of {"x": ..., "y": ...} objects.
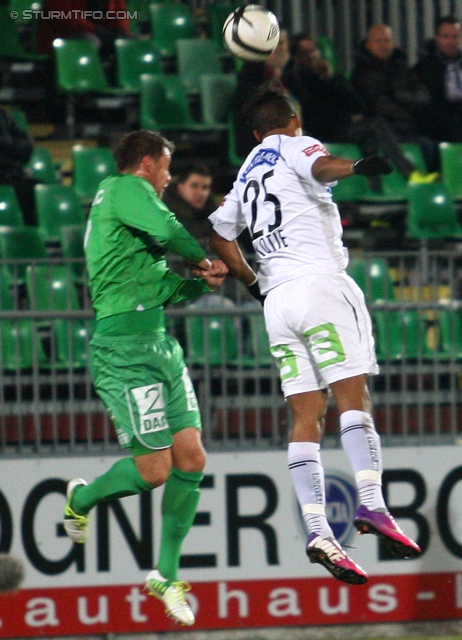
[
  {"x": 308, "y": 479},
  {"x": 361, "y": 443}
]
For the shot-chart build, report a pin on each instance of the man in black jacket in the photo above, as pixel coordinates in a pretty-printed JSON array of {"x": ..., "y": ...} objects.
[
  {"x": 382, "y": 77},
  {"x": 441, "y": 71}
]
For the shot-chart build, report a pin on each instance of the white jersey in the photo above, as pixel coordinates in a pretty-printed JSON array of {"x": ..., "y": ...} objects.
[{"x": 294, "y": 224}]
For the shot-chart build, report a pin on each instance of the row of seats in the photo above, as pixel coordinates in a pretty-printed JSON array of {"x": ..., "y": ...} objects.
[{"x": 431, "y": 208}]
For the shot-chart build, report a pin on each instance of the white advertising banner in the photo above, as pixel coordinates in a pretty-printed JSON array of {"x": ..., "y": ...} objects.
[{"x": 245, "y": 554}]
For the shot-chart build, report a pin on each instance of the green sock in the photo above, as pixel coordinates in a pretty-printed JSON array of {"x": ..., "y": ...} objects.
[
  {"x": 122, "y": 479},
  {"x": 179, "y": 504}
]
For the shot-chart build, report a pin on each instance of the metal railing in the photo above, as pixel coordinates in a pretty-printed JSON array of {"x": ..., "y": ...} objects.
[{"x": 48, "y": 404}]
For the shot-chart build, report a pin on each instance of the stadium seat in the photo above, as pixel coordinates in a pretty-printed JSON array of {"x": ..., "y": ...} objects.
[
  {"x": 400, "y": 335},
  {"x": 57, "y": 205},
  {"x": 217, "y": 92},
  {"x": 135, "y": 57},
  {"x": 21, "y": 347},
  {"x": 91, "y": 165},
  {"x": 11, "y": 46},
  {"x": 451, "y": 167},
  {"x": 69, "y": 345},
  {"x": 373, "y": 276},
  {"x": 51, "y": 288},
  {"x": 431, "y": 212},
  {"x": 196, "y": 56},
  {"x": 81, "y": 79},
  {"x": 211, "y": 340},
  {"x": 42, "y": 167},
  {"x": 217, "y": 14},
  {"x": 10, "y": 210},
  {"x": 72, "y": 237},
  {"x": 329, "y": 53},
  {"x": 234, "y": 159},
  {"x": 450, "y": 328},
  {"x": 164, "y": 105},
  {"x": 169, "y": 23},
  {"x": 20, "y": 246}
]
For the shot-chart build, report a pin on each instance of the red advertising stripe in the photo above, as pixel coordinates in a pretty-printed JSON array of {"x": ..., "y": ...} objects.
[{"x": 240, "y": 604}]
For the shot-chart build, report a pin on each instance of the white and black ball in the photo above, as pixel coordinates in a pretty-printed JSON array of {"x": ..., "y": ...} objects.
[{"x": 251, "y": 33}]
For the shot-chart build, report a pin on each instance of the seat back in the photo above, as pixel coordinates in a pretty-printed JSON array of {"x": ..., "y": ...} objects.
[
  {"x": 218, "y": 12},
  {"x": 217, "y": 91},
  {"x": 21, "y": 245},
  {"x": 11, "y": 46},
  {"x": 211, "y": 339},
  {"x": 20, "y": 346},
  {"x": 135, "y": 57},
  {"x": 373, "y": 276},
  {"x": 431, "y": 212},
  {"x": 234, "y": 159},
  {"x": 329, "y": 53},
  {"x": 78, "y": 66},
  {"x": 196, "y": 56},
  {"x": 91, "y": 166},
  {"x": 41, "y": 166},
  {"x": 70, "y": 340},
  {"x": 51, "y": 287},
  {"x": 450, "y": 327},
  {"x": 400, "y": 335},
  {"x": 57, "y": 205},
  {"x": 163, "y": 103},
  {"x": 72, "y": 239},
  {"x": 10, "y": 209},
  {"x": 451, "y": 167},
  {"x": 169, "y": 23}
]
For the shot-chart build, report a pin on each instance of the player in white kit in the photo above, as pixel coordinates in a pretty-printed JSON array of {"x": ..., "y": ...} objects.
[{"x": 315, "y": 315}]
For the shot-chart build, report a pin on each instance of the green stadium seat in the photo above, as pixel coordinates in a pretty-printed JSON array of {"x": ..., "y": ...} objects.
[
  {"x": 20, "y": 246},
  {"x": 91, "y": 165},
  {"x": 10, "y": 210},
  {"x": 135, "y": 57},
  {"x": 373, "y": 276},
  {"x": 51, "y": 288},
  {"x": 217, "y": 92},
  {"x": 196, "y": 56},
  {"x": 42, "y": 166},
  {"x": 57, "y": 205},
  {"x": 169, "y": 23},
  {"x": 400, "y": 335},
  {"x": 451, "y": 167},
  {"x": 431, "y": 212}
]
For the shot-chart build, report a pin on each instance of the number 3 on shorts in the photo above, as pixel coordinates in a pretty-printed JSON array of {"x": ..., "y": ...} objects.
[{"x": 325, "y": 344}]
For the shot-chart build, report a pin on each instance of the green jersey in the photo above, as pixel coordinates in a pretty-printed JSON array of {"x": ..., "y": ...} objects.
[{"x": 129, "y": 231}]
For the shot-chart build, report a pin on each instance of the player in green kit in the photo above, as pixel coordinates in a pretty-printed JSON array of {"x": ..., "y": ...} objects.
[{"x": 138, "y": 369}]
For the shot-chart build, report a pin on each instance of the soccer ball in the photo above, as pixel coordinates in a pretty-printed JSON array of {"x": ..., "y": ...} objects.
[{"x": 251, "y": 33}]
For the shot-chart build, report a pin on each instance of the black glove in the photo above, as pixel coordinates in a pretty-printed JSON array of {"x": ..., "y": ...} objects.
[
  {"x": 254, "y": 290},
  {"x": 372, "y": 166}
]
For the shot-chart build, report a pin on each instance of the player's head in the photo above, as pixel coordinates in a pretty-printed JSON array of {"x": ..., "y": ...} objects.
[
  {"x": 146, "y": 154},
  {"x": 271, "y": 110}
]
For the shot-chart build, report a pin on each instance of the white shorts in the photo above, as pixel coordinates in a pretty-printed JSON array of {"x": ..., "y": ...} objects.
[{"x": 320, "y": 331}]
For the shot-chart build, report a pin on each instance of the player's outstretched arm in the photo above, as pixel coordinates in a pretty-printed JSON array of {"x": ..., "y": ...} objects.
[
  {"x": 331, "y": 168},
  {"x": 231, "y": 254}
]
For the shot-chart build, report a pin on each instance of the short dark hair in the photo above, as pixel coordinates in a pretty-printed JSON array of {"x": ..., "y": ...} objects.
[
  {"x": 193, "y": 167},
  {"x": 294, "y": 42},
  {"x": 135, "y": 145},
  {"x": 269, "y": 108},
  {"x": 450, "y": 19}
]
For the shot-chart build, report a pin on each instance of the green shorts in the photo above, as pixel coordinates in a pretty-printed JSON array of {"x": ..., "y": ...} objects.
[{"x": 145, "y": 385}]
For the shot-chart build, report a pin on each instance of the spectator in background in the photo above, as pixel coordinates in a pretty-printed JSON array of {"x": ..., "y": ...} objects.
[
  {"x": 190, "y": 198},
  {"x": 333, "y": 111},
  {"x": 16, "y": 147},
  {"x": 250, "y": 77},
  {"x": 382, "y": 77},
  {"x": 440, "y": 69},
  {"x": 85, "y": 19}
]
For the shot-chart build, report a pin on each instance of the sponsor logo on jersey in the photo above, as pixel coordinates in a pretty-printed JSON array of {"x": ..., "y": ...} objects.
[
  {"x": 314, "y": 149},
  {"x": 264, "y": 156}
]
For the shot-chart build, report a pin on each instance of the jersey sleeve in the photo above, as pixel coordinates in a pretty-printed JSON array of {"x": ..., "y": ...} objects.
[
  {"x": 228, "y": 220},
  {"x": 141, "y": 208},
  {"x": 305, "y": 152}
]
